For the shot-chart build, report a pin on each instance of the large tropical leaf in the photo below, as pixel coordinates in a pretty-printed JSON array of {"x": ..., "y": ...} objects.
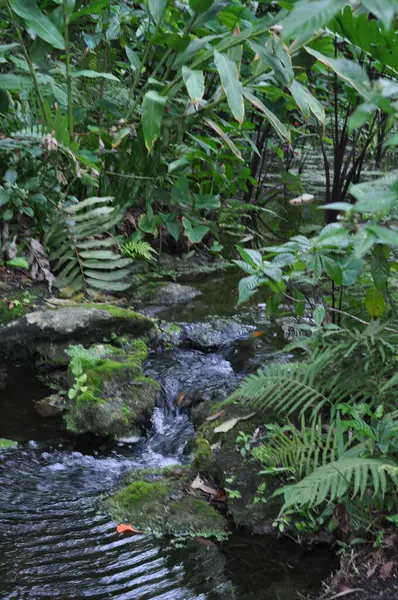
[
  {"x": 152, "y": 114},
  {"x": 35, "y": 19},
  {"x": 309, "y": 16},
  {"x": 195, "y": 83},
  {"x": 229, "y": 76},
  {"x": 279, "y": 127},
  {"x": 307, "y": 102},
  {"x": 348, "y": 70}
]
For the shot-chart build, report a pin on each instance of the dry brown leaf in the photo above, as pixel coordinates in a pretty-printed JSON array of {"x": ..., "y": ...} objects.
[
  {"x": 371, "y": 571},
  {"x": 230, "y": 424},
  {"x": 346, "y": 592},
  {"x": 199, "y": 484},
  {"x": 386, "y": 569},
  {"x": 302, "y": 200},
  {"x": 40, "y": 269},
  {"x": 179, "y": 399},
  {"x": 220, "y": 413}
]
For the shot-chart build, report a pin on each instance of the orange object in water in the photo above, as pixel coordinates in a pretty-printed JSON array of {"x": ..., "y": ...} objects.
[
  {"x": 127, "y": 529},
  {"x": 257, "y": 334}
]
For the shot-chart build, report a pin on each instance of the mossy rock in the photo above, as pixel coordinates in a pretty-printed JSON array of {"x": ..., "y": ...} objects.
[
  {"x": 119, "y": 399},
  {"x": 5, "y": 444},
  {"x": 233, "y": 472},
  {"x": 48, "y": 332},
  {"x": 160, "y": 293},
  {"x": 8, "y": 314},
  {"x": 157, "y": 502}
]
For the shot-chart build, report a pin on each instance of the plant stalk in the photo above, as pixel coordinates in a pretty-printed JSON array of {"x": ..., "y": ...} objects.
[{"x": 68, "y": 71}]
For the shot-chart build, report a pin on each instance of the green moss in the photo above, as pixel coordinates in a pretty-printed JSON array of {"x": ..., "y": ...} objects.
[
  {"x": 203, "y": 456},
  {"x": 120, "y": 313},
  {"x": 8, "y": 314},
  {"x": 140, "y": 492},
  {"x": 158, "y": 503},
  {"x": 7, "y": 444}
]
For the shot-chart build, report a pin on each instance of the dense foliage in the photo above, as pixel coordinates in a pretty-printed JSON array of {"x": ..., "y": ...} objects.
[{"x": 130, "y": 128}]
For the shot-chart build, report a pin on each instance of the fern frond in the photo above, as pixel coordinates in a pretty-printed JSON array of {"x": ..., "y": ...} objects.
[
  {"x": 300, "y": 450},
  {"x": 82, "y": 257},
  {"x": 333, "y": 480},
  {"x": 138, "y": 249},
  {"x": 283, "y": 387}
]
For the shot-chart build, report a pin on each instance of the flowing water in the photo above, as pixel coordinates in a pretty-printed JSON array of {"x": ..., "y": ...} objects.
[{"x": 55, "y": 543}]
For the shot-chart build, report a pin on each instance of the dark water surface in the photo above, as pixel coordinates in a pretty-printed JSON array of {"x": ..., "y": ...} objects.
[{"x": 55, "y": 543}]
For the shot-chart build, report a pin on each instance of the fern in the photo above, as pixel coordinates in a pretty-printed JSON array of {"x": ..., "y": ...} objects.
[
  {"x": 82, "y": 257},
  {"x": 300, "y": 451},
  {"x": 138, "y": 249},
  {"x": 333, "y": 480}
]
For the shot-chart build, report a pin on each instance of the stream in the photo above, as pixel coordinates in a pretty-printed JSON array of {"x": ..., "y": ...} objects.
[{"x": 55, "y": 543}]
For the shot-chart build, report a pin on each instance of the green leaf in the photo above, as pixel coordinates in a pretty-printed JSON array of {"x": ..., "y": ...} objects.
[
  {"x": 94, "y": 75},
  {"x": 8, "y": 214},
  {"x": 195, "y": 84},
  {"x": 9, "y": 81},
  {"x": 152, "y": 114},
  {"x": 206, "y": 202},
  {"x": 333, "y": 270},
  {"x": 18, "y": 261},
  {"x": 224, "y": 137},
  {"x": 133, "y": 58},
  {"x": 308, "y": 17},
  {"x": 374, "y": 302},
  {"x": 384, "y": 234},
  {"x": 307, "y": 103},
  {"x": 228, "y": 72},
  {"x": 93, "y": 8},
  {"x": 157, "y": 9},
  {"x": 172, "y": 226},
  {"x": 279, "y": 127},
  {"x": 252, "y": 257},
  {"x": 35, "y": 19},
  {"x": 319, "y": 315},
  {"x": 351, "y": 268},
  {"x": 200, "y": 6},
  {"x": 348, "y": 70},
  {"x": 382, "y": 9},
  {"x": 194, "y": 234},
  {"x": 380, "y": 266}
]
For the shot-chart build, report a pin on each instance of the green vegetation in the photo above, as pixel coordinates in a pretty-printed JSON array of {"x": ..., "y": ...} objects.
[
  {"x": 4, "y": 444},
  {"x": 134, "y": 129}
]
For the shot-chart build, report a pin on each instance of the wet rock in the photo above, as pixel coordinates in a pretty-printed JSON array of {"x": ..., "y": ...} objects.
[
  {"x": 165, "y": 294},
  {"x": 49, "y": 331},
  {"x": 117, "y": 399},
  {"x": 51, "y": 406},
  {"x": 217, "y": 455},
  {"x": 213, "y": 334},
  {"x": 162, "y": 502}
]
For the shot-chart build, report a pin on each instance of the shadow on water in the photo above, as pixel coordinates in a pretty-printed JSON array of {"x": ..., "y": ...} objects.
[{"x": 56, "y": 543}]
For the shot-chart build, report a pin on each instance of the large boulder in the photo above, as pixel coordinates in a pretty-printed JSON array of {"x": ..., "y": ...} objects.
[
  {"x": 114, "y": 398},
  {"x": 48, "y": 332},
  {"x": 164, "y": 502}
]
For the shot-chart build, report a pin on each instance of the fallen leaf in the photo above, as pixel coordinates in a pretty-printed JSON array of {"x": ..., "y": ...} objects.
[
  {"x": 199, "y": 484},
  {"x": 301, "y": 200},
  {"x": 11, "y": 305},
  {"x": 205, "y": 542},
  {"x": 40, "y": 269},
  {"x": 127, "y": 529},
  {"x": 386, "y": 569},
  {"x": 226, "y": 426},
  {"x": 371, "y": 571},
  {"x": 256, "y": 334},
  {"x": 179, "y": 399},
  {"x": 230, "y": 424},
  {"x": 220, "y": 413}
]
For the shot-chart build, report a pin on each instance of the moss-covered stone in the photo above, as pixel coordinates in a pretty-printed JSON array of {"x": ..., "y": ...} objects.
[
  {"x": 118, "y": 400},
  {"x": 239, "y": 476},
  {"x": 4, "y": 444},
  {"x": 8, "y": 314},
  {"x": 158, "y": 503}
]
